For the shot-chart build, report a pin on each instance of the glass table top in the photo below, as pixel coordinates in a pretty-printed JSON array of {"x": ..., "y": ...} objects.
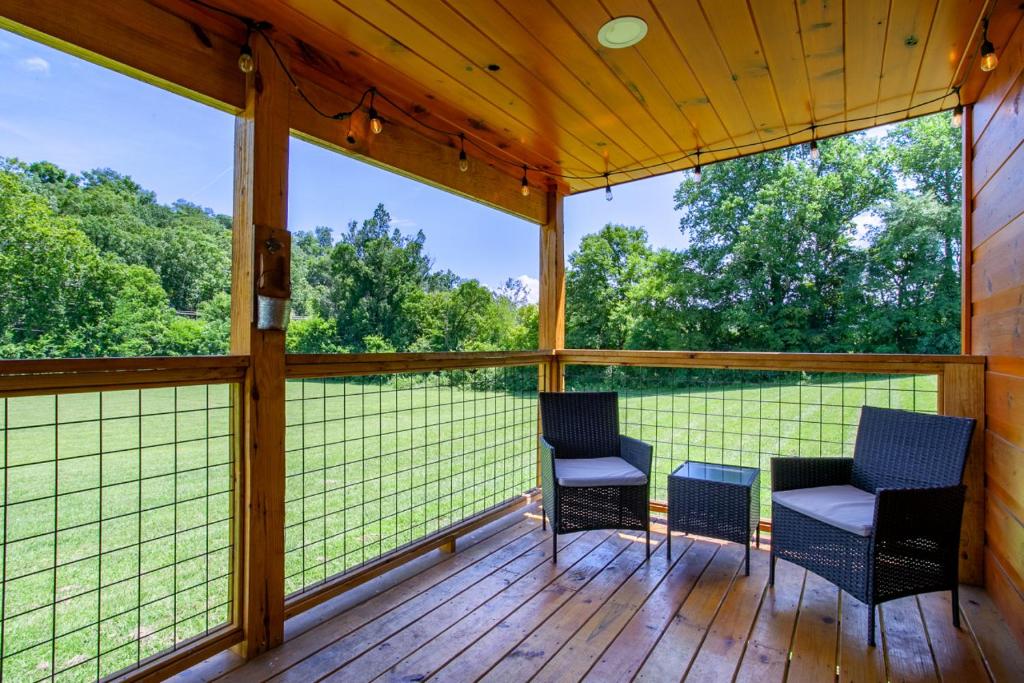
[{"x": 725, "y": 474}]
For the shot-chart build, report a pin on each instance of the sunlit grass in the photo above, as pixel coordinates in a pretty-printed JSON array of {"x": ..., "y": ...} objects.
[{"x": 117, "y": 507}]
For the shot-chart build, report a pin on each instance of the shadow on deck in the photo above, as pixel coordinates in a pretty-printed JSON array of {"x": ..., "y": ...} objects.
[{"x": 499, "y": 610}]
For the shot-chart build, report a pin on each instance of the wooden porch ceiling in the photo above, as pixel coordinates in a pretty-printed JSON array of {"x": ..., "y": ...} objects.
[{"x": 531, "y": 82}]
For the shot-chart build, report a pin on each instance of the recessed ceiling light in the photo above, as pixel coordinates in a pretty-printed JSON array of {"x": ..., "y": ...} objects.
[{"x": 622, "y": 32}]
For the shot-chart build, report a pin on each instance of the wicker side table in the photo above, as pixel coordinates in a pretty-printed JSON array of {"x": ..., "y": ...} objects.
[{"x": 719, "y": 501}]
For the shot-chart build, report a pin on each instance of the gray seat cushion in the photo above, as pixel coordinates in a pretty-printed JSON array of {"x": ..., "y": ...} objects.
[
  {"x": 597, "y": 472},
  {"x": 846, "y": 507}
]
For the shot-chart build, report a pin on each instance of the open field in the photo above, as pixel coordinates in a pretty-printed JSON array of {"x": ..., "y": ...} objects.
[{"x": 117, "y": 507}]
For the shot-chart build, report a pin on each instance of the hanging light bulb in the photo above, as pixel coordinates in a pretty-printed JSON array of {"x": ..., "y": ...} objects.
[
  {"x": 376, "y": 125},
  {"x": 815, "y": 152},
  {"x": 607, "y": 189},
  {"x": 245, "y": 61},
  {"x": 463, "y": 159},
  {"x": 989, "y": 60},
  {"x": 524, "y": 187},
  {"x": 350, "y": 136},
  {"x": 696, "y": 168},
  {"x": 958, "y": 115}
]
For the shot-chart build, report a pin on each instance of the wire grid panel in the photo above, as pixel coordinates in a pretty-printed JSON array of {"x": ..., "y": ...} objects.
[
  {"x": 745, "y": 417},
  {"x": 375, "y": 463},
  {"x": 117, "y": 528}
]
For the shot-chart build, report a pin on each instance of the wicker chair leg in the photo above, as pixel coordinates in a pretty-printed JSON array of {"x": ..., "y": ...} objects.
[
  {"x": 956, "y": 606},
  {"x": 554, "y": 548},
  {"x": 648, "y": 542},
  {"x": 871, "y": 625},
  {"x": 771, "y": 569}
]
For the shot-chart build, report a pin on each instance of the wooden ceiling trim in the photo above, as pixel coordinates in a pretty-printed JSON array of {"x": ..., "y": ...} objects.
[
  {"x": 379, "y": 30},
  {"x": 491, "y": 20},
  {"x": 670, "y": 70},
  {"x": 542, "y": 124},
  {"x": 357, "y": 65},
  {"x": 693, "y": 38},
  {"x": 136, "y": 39},
  {"x": 909, "y": 31},
  {"x": 823, "y": 39},
  {"x": 866, "y": 25},
  {"x": 778, "y": 30},
  {"x": 580, "y": 57},
  {"x": 732, "y": 26},
  {"x": 440, "y": 19},
  {"x": 947, "y": 43}
]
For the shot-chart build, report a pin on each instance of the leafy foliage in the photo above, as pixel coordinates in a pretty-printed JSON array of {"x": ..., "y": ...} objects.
[{"x": 856, "y": 252}]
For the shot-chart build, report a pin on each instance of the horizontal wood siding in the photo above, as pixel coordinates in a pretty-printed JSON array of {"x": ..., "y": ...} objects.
[{"x": 997, "y": 318}]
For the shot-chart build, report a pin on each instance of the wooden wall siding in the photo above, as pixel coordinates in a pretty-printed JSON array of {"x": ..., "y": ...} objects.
[{"x": 997, "y": 317}]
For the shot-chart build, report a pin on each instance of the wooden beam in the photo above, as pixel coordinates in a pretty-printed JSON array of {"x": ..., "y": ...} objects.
[
  {"x": 551, "y": 332},
  {"x": 406, "y": 151},
  {"x": 963, "y": 395},
  {"x": 261, "y": 190},
  {"x": 967, "y": 230},
  {"x": 138, "y": 39}
]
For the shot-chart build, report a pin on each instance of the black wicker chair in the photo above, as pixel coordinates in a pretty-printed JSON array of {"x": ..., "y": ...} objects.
[
  {"x": 592, "y": 477},
  {"x": 885, "y": 523}
]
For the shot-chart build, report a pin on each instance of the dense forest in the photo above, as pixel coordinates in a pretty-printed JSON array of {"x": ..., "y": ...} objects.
[{"x": 856, "y": 251}]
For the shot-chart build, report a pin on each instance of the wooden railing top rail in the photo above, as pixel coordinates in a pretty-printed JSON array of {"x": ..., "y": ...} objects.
[
  {"x": 71, "y": 375},
  {"x": 810, "y": 362},
  {"x": 355, "y": 364}
]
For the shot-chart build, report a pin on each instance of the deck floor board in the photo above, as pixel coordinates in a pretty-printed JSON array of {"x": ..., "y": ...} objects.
[{"x": 500, "y": 610}]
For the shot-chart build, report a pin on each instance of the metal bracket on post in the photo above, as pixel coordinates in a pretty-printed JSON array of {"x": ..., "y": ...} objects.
[{"x": 273, "y": 278}]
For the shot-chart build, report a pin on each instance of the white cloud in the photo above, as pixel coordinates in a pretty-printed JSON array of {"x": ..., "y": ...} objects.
[
  {"x": 35, "y": 65},
  {"x": 532, "y": 286}
]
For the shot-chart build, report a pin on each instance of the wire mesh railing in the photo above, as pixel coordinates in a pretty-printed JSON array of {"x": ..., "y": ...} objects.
[
  {"x": 117, "y": 527},
  {"x": 377, "y": 462},
  {"x": 746, "y": 417}
]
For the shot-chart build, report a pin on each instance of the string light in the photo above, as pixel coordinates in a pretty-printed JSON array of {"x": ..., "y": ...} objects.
[
  {"x": 245, "y": 61},
  {"x": 463, "y": 159},
  {"x": 958, "y": 115},
  {"x": 989, "y": 60},
  {"x": 607, "y": 188},
  {"x": 376, "y": 125}
]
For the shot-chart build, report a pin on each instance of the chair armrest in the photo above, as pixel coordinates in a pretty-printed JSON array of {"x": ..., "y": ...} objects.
[
  {"x": 932, "y": 512},
  {"x": 803, "y": 473},
  {"x": 547, "y": 463},
  {"x": 637, "y": 453}
]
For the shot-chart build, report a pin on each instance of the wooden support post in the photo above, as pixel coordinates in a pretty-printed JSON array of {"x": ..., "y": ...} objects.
[
  {"x": 967, "y": 239},
  {"x": 551, "y": 313},
  {"x": 963, "y": 395},
  {"x": 261, "y": 189}
]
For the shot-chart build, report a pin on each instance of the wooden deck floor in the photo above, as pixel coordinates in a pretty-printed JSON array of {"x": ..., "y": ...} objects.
[{"x": 499, "y": 610}]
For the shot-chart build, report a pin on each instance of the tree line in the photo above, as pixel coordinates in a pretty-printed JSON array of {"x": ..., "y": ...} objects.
[{"x": 858, "y": 251}]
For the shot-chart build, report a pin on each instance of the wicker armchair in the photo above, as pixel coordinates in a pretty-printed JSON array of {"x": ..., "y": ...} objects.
[
  {"x": 592, "y": 477},
  {"x": 884, "y": 524}
]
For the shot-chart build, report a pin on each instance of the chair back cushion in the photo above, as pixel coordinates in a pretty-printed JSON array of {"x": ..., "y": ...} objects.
[
  {"x": 581, "y": 424},
  {"x": 902, "y": 449}
]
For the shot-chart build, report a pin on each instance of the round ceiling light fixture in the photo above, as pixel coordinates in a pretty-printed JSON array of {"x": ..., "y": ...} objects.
[{"x": 622, "y": 32}]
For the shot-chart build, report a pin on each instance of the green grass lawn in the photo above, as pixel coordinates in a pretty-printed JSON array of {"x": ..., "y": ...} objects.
[{"x": 116, "y": 513}]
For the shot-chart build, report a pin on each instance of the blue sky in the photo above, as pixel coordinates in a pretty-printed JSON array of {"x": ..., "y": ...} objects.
[{"x": 58, "y": 108}]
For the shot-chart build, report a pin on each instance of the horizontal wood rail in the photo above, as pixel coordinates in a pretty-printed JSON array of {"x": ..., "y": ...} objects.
[
  {"x": 882, "y": 363},
  {"x": 445, "y": 538},
  {"x": 356, "y": 364},
  {"x": 75, "y": 375},
  {"x": 162, "y": 666}
]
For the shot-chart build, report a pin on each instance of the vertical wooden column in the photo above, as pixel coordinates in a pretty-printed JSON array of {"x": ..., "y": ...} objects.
[
  {"x": 963, "y": 395},
  {"x": 261, "y": 198},
  {"x": 551, "y": 313},
  {"x": 967, "y": 231}
]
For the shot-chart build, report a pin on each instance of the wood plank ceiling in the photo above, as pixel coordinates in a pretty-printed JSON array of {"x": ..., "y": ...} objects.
[{"x": 529, "y": 82}]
